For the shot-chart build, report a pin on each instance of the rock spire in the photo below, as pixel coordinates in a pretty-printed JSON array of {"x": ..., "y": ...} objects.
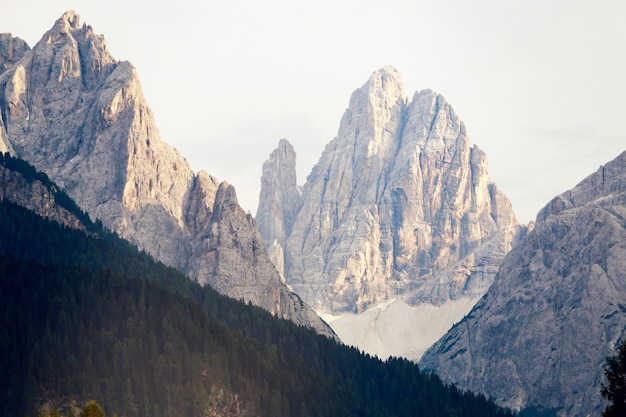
[{"x": 281, "y": 200}]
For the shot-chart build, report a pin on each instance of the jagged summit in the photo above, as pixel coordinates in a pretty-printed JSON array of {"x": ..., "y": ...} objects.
[
  {"x": 384, "y": 87},
  {"x": 11, "y": 50},
  {"x": 79, "y": 115},
  {"x": 399, "y": 206},
  {"x": 374, "y": 111},
  {"x": 387, "y": 72},
  {"x": 608, "y": 182},
  {"x": 410, "y": 167},
  {"x": 68, "y": 22},
  {"x": 279, "y": 178},
  {"x": 282, "y": 199}
]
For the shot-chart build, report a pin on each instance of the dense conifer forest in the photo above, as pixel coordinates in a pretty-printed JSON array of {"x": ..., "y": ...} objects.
[{"x": 93, "y": 318}]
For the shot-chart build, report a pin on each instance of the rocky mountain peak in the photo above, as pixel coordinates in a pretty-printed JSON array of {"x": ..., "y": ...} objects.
[
  {"x": 280, "y": 191},
  {"x": 374, "y": 112},
  {"x": 384, "y": 88},
  {"x": 66, "y": 24},
  {"x": 607, "y": 182},
  {"x": 77, "y": 114},
  {"x": 79, "y": 53},
  {"x": 279, "y": 200},
  {"x": 539, "y": 337},
  {"x": 399, "y": 206},
  {"x": 284, "y": 150}
]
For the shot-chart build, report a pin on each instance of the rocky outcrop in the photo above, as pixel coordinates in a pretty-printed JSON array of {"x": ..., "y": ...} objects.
[
  {"x": 540, "y": 335},
  {"x": 11, "y": 50},
  {"x": 79, "y": 115},
  {"x": 399, "y": 205},
  {"x": 279, "y": 201},
  {"x": 223, "y": 402},
  {"x": 35, "y": 196}
]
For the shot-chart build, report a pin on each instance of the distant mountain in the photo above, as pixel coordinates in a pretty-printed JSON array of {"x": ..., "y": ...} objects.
[
  {"x": 539, "y": 337},
  {"x": 85, "y": 315},
  {"x": 77, "y": 114},
  {"x": 399, "y": 207}
]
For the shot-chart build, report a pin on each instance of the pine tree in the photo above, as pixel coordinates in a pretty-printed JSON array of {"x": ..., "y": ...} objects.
[
  {"x": 92, "y": 409},
  {"x": 615, "y": 391}
]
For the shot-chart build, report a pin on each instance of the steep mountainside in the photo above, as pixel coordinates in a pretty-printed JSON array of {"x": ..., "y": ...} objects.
[
  {"x": 74, "y": 112},
  {"x": 11, "y": 50},
  {"x": 22, "y": 185},
  {"x": 540, "y": 335},
  {"x": 400, "y": 205},
  {"x": 88, "y": 316}
]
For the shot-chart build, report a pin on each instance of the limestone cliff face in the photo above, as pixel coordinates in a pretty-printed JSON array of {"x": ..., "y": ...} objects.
[
  {"x": 279, "y": 201},
  {"x": 76, "y": 113},
  {"x": 540, "y": 335},
  {"x": 399, "y": 203},
  {"x": 11, "y": 50}
]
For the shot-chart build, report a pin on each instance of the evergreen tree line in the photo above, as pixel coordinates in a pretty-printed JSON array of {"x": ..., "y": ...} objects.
[
  {"x": 614, "y": 390},
  {"x": 84, "y": 317}
]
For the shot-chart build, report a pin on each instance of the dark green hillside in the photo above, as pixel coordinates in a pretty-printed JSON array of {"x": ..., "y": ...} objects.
[{"x": 92, "y": 318}]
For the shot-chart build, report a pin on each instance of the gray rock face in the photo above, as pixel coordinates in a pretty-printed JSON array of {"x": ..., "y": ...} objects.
[
  {"x": 35, "y": 196},
  {"x": 11, "y": 50},
  {"x": 399, "y": 207},
  {"x": 398, "y": 204},
  {"x": 540, "y": 335},
  {"x": 76, "y": 113},
  {"x": 279, "y": 201}
]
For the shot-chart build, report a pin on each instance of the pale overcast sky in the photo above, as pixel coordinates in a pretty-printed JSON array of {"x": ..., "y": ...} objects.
[{"x": 540, "y": 85}]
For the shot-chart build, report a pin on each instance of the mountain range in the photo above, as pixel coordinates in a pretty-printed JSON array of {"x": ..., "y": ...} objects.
[
  {"x": 84, "y": 315},
  {"x": 398, "y": 231},
  {"x": 398, "y": 239}
]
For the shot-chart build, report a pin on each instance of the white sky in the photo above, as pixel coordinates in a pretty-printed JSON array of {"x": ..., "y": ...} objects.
[{"x": 540, "y": 85}]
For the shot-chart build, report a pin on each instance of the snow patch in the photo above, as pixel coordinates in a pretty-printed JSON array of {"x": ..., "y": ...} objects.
[{"x": 394, "y": 328}]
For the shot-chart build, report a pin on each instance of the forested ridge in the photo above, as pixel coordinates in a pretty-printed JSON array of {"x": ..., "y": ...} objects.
[
  {"x": 91, "y": 317},
  {"x": 61, "y": 198}
]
